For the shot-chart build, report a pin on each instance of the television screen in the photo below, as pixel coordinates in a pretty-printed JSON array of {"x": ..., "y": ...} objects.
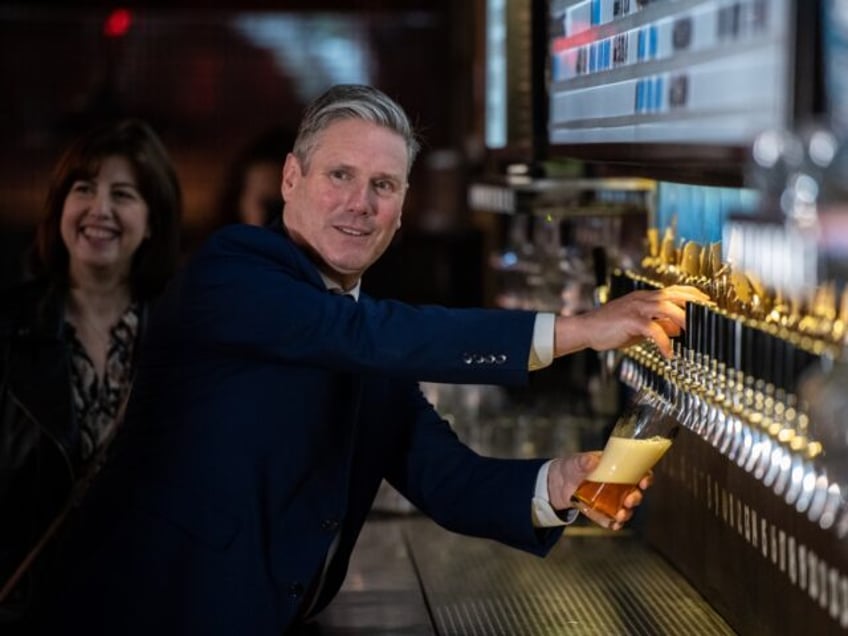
[{"x": 643, "y": 80}]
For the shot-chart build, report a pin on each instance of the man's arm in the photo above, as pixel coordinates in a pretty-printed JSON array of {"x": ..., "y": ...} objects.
[
  {"x": 463, "y": 491},
  {"x": 656, "y": 314},
  {"x": 254, "y": 293}
]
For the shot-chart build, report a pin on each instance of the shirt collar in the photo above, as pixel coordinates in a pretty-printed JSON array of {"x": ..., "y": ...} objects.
[{"x": 333, "y": 286}]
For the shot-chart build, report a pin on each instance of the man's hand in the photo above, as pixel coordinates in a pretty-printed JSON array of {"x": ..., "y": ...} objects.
[
  {"x": 656, "y": 314},
  {"x": 567, "y": 473}
]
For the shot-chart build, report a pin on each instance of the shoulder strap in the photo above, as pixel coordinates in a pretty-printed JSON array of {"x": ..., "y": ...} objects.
[
  {"x": 79, "y": 488},
  {"x": 5, "y": 353},
  {"x": 77, "y": 493}
]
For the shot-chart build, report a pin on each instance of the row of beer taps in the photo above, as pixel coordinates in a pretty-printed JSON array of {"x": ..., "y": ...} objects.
[
  {"x": 736, "y": 371},
  {"x": 763, "y": 432},
  {"x": 820, "y": 314}
]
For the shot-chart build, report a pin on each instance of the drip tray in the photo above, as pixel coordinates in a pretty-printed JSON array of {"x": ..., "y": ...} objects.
[{"x": 593, "y": 582}]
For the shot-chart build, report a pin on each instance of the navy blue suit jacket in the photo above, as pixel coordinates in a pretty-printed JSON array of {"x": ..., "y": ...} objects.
[{"x": 265, "y": 414}]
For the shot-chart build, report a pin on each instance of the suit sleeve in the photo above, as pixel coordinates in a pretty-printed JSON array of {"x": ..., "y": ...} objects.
[
  {"x": 465, "y": 492},
  {"x": 251, "y": 292}
]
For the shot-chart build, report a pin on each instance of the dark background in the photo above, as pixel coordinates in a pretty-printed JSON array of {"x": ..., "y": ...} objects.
[{"x": 210, "y": 77}]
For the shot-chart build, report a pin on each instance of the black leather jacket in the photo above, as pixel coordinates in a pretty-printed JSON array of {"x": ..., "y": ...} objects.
[{"x": 39, "y": 439}]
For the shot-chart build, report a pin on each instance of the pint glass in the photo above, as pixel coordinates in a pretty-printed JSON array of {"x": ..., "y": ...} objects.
[{"x": 640, "y": 438}]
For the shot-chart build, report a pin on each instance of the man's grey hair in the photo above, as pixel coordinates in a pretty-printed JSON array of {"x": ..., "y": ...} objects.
[{"x": 352, "y": 101}]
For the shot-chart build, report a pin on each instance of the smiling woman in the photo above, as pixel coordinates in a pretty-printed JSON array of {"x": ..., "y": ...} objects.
[
  {"x": 104, "y": 221},
  {"x": 105, "y": 248}
]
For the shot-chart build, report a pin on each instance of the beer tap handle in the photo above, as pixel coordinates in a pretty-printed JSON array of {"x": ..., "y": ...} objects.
[
  {"x": 747, "y": 362},
  {"x": 738, "y": 345},
  {"x": 779, "y": 375},
  {"x": 711, "y": 318},
  {"x": 720, "y": 323}
]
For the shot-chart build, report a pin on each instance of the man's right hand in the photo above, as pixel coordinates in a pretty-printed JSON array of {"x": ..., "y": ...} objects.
[{"x": 656, "y": 314}]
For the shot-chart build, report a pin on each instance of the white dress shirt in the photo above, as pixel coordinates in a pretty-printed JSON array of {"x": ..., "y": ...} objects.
[{"x": 541, "y": 355}]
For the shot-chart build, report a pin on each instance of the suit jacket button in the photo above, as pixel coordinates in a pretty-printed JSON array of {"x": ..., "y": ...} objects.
[
  {"x": 295, "y": 590},
  {"x": 329, "y": 524},
  {"x": 467, "y": 358},
  {"x": 480, "y": 359},
  {"x": 492, "y": 359}
]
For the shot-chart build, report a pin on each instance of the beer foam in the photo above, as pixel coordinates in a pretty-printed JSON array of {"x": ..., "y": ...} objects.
[{"x": 625, "y": 461}]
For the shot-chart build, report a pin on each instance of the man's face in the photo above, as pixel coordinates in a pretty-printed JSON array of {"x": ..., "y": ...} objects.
[{"x": 345, "y": 206}]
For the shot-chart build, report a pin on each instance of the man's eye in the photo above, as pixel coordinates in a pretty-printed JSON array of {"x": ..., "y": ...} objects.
[
  {"x": 385, "y": 186},
  {"x": 339, "y": 175}
]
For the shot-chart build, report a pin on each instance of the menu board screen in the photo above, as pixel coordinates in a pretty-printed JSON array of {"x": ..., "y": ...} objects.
[{"x": 707, "y": 72}]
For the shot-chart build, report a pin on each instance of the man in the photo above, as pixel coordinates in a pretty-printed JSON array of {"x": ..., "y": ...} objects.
[{"x": 267, "y": 409}]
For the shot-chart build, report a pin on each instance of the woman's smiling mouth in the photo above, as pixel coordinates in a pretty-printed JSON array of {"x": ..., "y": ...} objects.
[{"x": 99, "y": 233}]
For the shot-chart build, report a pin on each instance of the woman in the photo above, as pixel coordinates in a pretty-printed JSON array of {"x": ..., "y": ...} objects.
[{"x": 108, "y": 244}]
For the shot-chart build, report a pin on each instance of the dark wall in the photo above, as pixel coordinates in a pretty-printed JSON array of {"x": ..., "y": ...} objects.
[{"x": 209, "y": 79}]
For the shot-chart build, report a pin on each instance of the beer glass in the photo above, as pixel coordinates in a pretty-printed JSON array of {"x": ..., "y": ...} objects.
[{"x": 642, "y": 435}]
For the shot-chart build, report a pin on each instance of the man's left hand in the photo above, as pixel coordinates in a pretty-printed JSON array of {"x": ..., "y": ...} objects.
[{"x": 567, "y": 473}]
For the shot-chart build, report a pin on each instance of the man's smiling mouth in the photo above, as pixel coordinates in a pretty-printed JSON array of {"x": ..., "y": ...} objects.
[{"x": 351, "y": 232}]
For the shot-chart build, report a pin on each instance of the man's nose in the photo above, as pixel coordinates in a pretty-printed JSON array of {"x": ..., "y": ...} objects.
[{"x": 361, "y": 198}]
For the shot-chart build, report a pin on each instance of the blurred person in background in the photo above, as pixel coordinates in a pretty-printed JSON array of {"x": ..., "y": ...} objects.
[
  {"x": 252, "y": 186},
  {"x": 273, "y": 398},
  {"x": 69, "y": 337}
]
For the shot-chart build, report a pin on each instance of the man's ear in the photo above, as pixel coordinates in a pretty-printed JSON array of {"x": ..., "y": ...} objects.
[{"x": 290, "y": 176}]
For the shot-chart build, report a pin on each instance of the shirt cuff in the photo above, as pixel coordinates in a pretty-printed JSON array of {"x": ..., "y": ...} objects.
[
  {"x": 542, "y": 349},
  {"x": 544, "y": 515}
]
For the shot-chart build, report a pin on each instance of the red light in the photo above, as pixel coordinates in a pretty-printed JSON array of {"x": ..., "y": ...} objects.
[{"x": 117, "y": 24}]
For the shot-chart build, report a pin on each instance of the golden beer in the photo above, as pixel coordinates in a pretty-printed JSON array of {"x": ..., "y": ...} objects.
[{"x": 623, "y": 464}]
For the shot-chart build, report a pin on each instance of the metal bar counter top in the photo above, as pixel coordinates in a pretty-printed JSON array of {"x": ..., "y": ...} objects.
[{"x": 410, "y": 577}]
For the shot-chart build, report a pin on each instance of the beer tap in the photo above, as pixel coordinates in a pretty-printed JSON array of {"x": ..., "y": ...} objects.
[{"x": 750, "y": 374}]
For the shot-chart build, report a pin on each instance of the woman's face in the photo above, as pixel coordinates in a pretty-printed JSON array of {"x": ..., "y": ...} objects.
[{"x": 104, "y": 220}]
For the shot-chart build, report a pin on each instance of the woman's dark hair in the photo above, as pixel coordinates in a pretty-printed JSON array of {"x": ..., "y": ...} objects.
[
  {"x": 269, "y": 147},
  {"x": 155, "y": 260}
]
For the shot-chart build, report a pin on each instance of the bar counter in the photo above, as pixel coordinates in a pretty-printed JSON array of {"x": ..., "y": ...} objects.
[{"x": 410, "y": 577}]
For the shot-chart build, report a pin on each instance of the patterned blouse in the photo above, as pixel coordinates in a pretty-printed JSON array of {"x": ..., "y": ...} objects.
[{"x": 98, "y": 401}]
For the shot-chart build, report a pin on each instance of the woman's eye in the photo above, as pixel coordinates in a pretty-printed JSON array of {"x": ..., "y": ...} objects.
[{"x": 82, "y": 187}]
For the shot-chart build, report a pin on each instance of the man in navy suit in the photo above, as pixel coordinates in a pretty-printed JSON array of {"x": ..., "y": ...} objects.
[{"x": 267, "y": 409}]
